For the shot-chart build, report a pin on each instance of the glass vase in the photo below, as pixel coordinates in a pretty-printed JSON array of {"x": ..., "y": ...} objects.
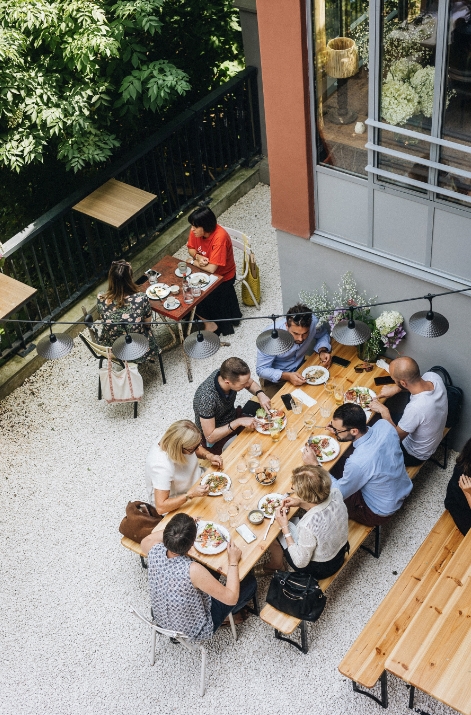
[{"x": 367, "y": 353}]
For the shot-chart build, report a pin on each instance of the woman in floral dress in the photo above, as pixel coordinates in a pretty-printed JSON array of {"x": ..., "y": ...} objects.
[{"x": 123, "y": 302}]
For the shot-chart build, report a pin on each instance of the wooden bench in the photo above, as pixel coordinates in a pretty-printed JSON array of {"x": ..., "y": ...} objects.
[{"x": 365, "y": 662}]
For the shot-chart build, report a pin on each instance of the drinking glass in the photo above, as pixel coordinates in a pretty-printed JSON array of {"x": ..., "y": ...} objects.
[
  {"x": 233, "y": 511},
  {"x": 274, "y": 463},
  {"x": 187, "y": 294},
  {"x": 222, "y": 512},
  {"x": 241, "y": 468},
  {"x": 291, "y": 433},
  {"x": 275, "y": 434},
  {"x": 247, "y": 495},
  {"x": 254, "y": 464},
  {"x": 196, "y": 291},
  {"x": 182, "y": 267},
  {"x": 325, "y": 409},
  {"x": 297, "y": 406},
  {"x": 309, "y": 422},
  {"x": 152, "y": 277},
  {"x": 338, "y": 393},
  {"x": 228, "y": 495},
  {"x": 329, "y": 387},
  {"x": 255, "y": 450}
]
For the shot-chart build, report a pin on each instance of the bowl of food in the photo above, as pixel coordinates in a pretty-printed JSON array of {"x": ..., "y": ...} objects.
[
  {"x": 256, "y": 516},
  {"x": 265, "y": 476}
]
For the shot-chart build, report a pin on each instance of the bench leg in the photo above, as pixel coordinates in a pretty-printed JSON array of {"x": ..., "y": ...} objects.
[
  {"x": 445, "y": 455},
  {"x": 384, "y": 691},
  {"x": 304, "y": 647},
  {"x": 143, "y": 562},
  {"x": 376, "y": 553},
  {"x": 411, "y": 697},
  {"x": 255, "y": 607}
]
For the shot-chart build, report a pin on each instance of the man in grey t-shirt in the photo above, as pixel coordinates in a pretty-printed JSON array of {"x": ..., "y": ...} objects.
[
  {"x": 420, "y": 425},
  {"x": 214, "y": 403}
]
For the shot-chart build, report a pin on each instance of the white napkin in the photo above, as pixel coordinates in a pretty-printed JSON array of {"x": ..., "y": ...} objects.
[
  {"x": 212, "y": 279},
  {"x": 382, "y": 364},
  {"x": 305, "y": 399}
]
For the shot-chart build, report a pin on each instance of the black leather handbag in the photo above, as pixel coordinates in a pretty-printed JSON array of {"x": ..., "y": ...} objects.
[{"x": 296, "y": 594}]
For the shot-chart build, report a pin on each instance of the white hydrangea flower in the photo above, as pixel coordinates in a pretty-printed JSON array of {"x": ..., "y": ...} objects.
[
  {"x": 422, "y": 82},
  {"x": 388, "y": 321},
  {"x": 399, "y": 102},
  {"x": 403, "y": 69}
]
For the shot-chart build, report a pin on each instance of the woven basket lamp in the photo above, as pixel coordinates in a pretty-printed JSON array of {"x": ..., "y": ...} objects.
[{"x": 341, "y": 63}]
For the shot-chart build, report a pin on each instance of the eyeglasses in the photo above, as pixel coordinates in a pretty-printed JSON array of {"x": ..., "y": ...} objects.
[
  {"x": 366, "y": 367},
  {"x": 337, "y": 431},
  {"x": 187, "y": 450}
]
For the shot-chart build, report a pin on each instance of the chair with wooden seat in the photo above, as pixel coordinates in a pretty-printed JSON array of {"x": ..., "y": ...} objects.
[
  {"x": 242, "y": 243},
  {"x": 183, "y": 640}
]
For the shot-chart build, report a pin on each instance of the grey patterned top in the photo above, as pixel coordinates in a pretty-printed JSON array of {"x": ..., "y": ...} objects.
[
  {"x": 176, "y": 603},
  {"x": 211, "y": 401}
]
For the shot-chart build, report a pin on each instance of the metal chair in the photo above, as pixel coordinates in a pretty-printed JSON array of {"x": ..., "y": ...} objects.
[
  {"x": 183, "y": 640},
  {"x": 237, "y": 238}
]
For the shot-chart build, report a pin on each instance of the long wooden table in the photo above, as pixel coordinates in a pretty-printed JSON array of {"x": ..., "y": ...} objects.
[{"x": 289, "y": 453}]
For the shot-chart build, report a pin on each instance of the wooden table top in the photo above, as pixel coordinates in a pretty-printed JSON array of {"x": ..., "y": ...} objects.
[
  {"x": 13, "y": 295},
  {"x": 115, "y": 203},
  {"x": 289, "y": 454},
  {"x": 167, "y": 266},
  {"x": 434, "y": 654}
]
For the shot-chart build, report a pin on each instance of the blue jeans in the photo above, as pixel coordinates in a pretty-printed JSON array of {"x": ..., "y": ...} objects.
[{"x": 220, "y": 611}]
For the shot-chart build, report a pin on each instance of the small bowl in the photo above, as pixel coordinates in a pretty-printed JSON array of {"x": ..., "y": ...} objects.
[
  {"x": 265, "y": 477},
  {"x": 256, "y": 516},
  {"x": 174, "y": 289}
]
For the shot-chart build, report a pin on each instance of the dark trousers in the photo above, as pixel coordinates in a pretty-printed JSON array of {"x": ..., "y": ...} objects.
[
  {"x": 396, "y": 405},
  {"x": 320, "y": 569},
  {"x": 220, "y": 611},
  {"x": 359, "y": 511}
]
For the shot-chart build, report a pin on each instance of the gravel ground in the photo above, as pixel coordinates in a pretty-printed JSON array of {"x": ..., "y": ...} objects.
[{"x": 70, "y": 464}]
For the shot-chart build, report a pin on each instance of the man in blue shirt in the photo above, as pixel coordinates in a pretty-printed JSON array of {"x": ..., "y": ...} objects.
[
  {"x": 275, "y": 370},
  {"x": 374, "y": 482}
]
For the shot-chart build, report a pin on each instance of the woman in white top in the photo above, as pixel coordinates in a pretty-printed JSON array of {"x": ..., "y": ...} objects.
[
  {"x": 172, "y": 467},
  {"x": 317, "y": 542}
]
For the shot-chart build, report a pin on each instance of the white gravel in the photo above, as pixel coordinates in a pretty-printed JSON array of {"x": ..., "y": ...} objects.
[{"x": 70, "y": 464}]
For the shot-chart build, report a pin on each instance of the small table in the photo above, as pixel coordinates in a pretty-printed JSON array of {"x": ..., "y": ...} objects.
[
  {"x": 13, "y": 296},
  {"x": 167, "y": 267},
  {"x": 115, "y": 203},
  {"x": 289, "y": 454}
]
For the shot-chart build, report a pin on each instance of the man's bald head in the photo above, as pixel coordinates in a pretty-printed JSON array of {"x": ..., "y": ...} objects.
[{"x": 405, "y": 370}]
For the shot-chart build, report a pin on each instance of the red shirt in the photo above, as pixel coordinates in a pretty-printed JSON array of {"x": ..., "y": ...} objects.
[{"x": 217, "y": 248}]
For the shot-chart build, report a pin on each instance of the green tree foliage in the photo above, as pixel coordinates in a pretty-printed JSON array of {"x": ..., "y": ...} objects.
[{"x": 80, "y": 78}]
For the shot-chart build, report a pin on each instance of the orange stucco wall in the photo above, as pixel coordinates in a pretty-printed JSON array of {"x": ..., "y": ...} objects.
[{"x": 283, "y": 48}]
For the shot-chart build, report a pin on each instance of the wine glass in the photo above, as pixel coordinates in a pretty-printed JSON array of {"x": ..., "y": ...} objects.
[
  {"x": 241, "y": 468},
  {"x": 247, "y": 494}
]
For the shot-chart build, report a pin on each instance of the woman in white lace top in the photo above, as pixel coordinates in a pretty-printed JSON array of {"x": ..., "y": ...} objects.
[{"x": 317, "y": 542}]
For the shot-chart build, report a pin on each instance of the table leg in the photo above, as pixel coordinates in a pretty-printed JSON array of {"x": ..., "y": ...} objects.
[
  {"x": 192, "y": 317},
  {"x": 157, "y": 316},
  {"x": 187, "y": 359}
]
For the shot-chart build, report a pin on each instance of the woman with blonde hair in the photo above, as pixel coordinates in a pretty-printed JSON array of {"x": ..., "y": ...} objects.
[
  {"x": 317, "y": 542},
  {"x": 124, "y": 303},
  {"x": 172, "y": 467}
]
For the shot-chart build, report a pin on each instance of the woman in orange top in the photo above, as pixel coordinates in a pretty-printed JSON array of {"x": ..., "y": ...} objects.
[{"x": 210, "y": 247}]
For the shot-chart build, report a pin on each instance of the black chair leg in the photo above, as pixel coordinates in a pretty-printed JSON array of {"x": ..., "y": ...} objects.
[
  {"x": 99, "y": 381},
  {"x": 162, "y": 369},
  {"x": 135, "y": 410}
]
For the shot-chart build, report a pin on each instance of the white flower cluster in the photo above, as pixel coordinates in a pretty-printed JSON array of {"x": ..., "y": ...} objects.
[
  {"x": 408, "y": 90},
  {"x": 422, "y": 82},
  {"x": 346, "y": 294},
  {"x": 403, "y": 69},
  {"x": 398, "y": 102},
  {"x": 388, "y": 321}
]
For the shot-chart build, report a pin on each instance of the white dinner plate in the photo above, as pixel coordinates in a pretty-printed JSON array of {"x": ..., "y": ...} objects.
[
  {"x": 321, "y": 379},
  {"x": 199, "y": 279},
  {"x": 211, "y": 549},
  {"x": 260, "y": 429},
  {"x": 158, "y": 291},
  {"x": 207, "y": 477},
  {"x": 330, "y": 452},
  {"x": 273, "y": 495},
  {"x": 180, "y": 275},
  {"x": 172, "y": 307},
  {"x": 364, "y": 390}
]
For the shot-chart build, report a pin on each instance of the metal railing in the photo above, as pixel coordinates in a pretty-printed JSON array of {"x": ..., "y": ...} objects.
[{"x": 65, "y": 253}]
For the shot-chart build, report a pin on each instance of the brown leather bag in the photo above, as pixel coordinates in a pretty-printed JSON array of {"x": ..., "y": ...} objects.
[{"x": 139, "y": 521}]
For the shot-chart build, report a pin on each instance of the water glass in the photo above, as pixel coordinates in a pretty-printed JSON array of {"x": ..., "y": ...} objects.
[
  {"x": 152, "y": 277},
  {"x": 309, "y": 422},
  {"x": 297, "y": 406},
  {"x": 182, "y": 267},
  {"x": 325, "y": 409},
  {"x": 223, "y": 513},
  {"x": 274, "y": 463},
  {"x": 254, "y": 464},
  {"x": 233, "y": 511},
  {"x": 187, "y": 294},
  {"x": 228, "y": 495},
  {"x": 241, "y": 468},
  {"x": 247, "y": 495},
  {"x": 196, "y": 291},
  {"x": 255, "y": 450},
  {"x": 291, "y": 433}
]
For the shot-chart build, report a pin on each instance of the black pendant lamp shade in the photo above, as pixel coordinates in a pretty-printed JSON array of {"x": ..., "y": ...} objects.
[
  {"x": 351, "y": 332},
  {"x": 130, "y": 346},
  {"x": 427, "y": 323},
  {"x": 202, "y": 344},
  {"x": 275, "y": 341},
  {"x": 54, "y": 346}
]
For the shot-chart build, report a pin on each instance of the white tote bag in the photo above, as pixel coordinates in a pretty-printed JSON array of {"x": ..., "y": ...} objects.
[{"x": 123, "y": 386}]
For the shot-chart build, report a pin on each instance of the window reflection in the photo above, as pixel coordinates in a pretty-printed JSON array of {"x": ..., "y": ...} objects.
[{"x": 341, "y": 60}]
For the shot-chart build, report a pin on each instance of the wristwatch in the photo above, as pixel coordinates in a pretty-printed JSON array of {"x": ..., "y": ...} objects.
[
  {"x": 188, "y": 497},
  {"x": 324, "y": 350}
]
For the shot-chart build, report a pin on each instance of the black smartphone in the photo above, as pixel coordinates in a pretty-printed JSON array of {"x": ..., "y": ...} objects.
[
  {"x": 387, "y": 380},
  {"x": 340, "y": 361},
  {"x": 287, "y": 401}
]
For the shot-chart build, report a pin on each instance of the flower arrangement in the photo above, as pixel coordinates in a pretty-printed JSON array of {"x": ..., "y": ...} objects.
[
  {"x": 408, "y": 90},
  {"x": 329, "y": 309},
  {"x": 391, "y": 328}
]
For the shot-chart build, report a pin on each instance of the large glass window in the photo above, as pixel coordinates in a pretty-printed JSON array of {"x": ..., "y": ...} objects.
[{"x": 341, "y": 33}]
